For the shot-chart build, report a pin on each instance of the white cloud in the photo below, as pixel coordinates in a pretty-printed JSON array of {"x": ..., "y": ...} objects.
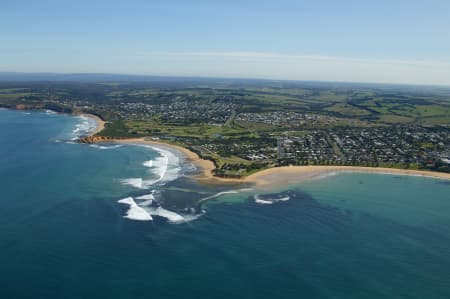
[
  {"x": 300, "y": 67},
  {"x": 290, "y": 57}
]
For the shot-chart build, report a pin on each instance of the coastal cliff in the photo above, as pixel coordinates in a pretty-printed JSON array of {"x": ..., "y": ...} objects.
[{"x": 95, "y": 139}]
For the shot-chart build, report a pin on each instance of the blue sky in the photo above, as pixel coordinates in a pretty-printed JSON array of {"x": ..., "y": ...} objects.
[{"x": 392, "y": 41}]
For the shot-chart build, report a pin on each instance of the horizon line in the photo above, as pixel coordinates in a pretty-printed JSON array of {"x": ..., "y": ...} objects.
[{"x": 174, "y": 76}]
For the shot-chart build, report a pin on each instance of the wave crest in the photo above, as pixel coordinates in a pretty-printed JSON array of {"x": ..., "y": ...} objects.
[
  {"x": 166, "y": 167},
  {"x": 135, "y": 212},
  {"x": 84, "y": 127},
  {"x": 268, "y": 201}
]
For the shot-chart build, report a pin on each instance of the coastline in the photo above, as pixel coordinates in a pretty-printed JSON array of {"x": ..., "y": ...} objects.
[
  {"x": 206, "y": 167},
  {"x": 291, "y": 174},
  {"x": 100, "y": 123},
  {"x": 276, "y": 175}
]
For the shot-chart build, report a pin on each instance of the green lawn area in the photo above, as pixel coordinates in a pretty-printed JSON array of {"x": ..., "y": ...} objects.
[
  {"x": 348, "y": 110},
  {"x": 394, "y": 119},
  {"x": 155, "y": 128},
  {"x": 13, "y": 96},
  {"x": 12, "y": 90}
]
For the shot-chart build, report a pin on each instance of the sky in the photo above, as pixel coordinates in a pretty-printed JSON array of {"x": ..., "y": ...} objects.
[{"x": 388, "y": 41}]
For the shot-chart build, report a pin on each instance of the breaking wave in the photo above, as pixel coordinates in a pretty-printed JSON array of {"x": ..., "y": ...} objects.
[
  {"x": 135, "y": 212},
  {"x": 145, "y": 210},
  {"x": 134, "y": 182},
  {"x": 84, "y": 127},
  {"x": 224, "y": 193},
  {"x": 166, "y": 168},
  {"x": 262, "y": 201},
  {"x": 168, "y": 165},
  {"x": 146, "y": 199},
  {"x": 104, "y": 147},
  {"x": 269, "y": 200},
  {"x": 172, "y": 217},
  {"x": 169, "y": 215}
]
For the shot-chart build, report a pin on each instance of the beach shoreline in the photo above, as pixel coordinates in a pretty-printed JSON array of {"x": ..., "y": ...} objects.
[
  {"x": 275, "y": 175},
  {"x": 265, "y": 177},
  {"x": 100, "y": 123},
  {"x": 291, "y": 174},
  {"x": 206, "y": 167}
]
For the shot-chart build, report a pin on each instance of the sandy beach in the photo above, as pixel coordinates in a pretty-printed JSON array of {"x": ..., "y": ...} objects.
[
  {"x": 100, "y": 122},
  {"x": 292, "y": 174},
  {"x": 206, "y": 167}
]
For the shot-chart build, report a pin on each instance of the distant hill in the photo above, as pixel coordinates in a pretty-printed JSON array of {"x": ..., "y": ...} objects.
[
  {"x": 179, "y": 81},
  {"x": 89, "y": 77}
]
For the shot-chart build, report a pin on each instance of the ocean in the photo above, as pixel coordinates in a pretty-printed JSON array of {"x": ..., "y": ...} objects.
[{"x": 122, "y": 221}]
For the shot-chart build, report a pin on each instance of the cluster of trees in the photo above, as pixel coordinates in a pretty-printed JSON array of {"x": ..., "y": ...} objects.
[{"x": 236, "y": 170}]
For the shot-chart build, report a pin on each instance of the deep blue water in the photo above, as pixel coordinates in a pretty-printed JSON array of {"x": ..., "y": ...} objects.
[{"x": 63, "y": 234}]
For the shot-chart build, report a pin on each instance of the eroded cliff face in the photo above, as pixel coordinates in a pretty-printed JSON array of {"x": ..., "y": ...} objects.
[
  {"x": 28, "y": 107},
  {"x": 95, "y": 139},
  {"x": 21, "y": 107}
]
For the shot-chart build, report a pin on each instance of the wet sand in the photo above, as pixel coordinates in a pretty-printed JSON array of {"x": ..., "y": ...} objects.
[
  {"x": 206, "y": 167},
  {"x": 291, "y": 174},
  {"x": 100, "y": 122}
]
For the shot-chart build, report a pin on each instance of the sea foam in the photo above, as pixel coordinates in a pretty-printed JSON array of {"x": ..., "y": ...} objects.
[
  {"x": 135, "y": 212},
  {"x": 173, "y": 217},
  {"x": 169, "y": 215},
  {"x": 134, "y": 182},
  {"x": 263, "y": 202},
  {"x": 104, "y": 147},
  {"x": 143, "y": 212},
  {"x": 225, "y": 193},
  {"x": 270, "y": 201},
  {"x": 148, "y": 163},
  {"x": 85, "y": 126},
  {"x": 165, "y": 167},
  {"x": 146, "y": 199}
]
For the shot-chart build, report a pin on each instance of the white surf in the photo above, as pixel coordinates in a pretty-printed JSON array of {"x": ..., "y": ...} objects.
[{"x": 135, "y": 212}]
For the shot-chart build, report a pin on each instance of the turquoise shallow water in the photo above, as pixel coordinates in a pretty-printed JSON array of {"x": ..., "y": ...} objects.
[{"x": 63, "y": 234}]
